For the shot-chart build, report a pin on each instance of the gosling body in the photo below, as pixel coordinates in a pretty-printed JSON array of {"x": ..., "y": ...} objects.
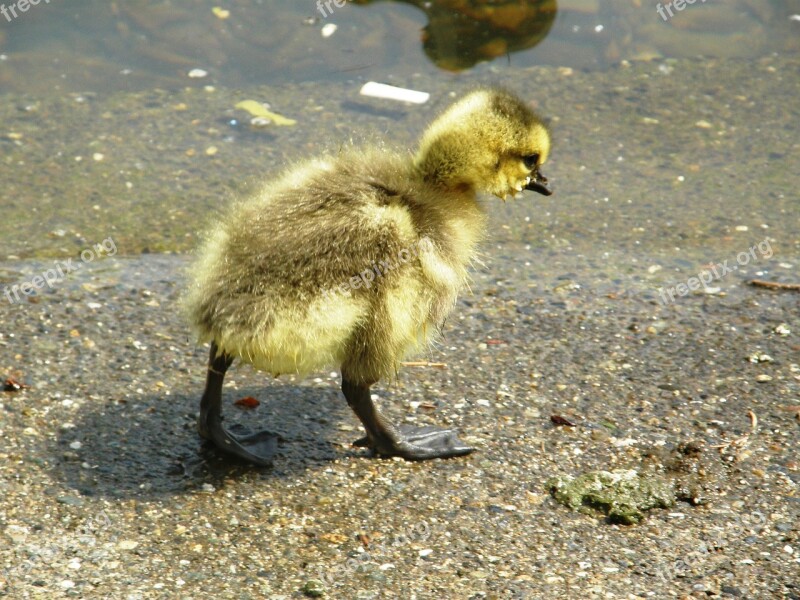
[{"x": 355, "y": 261}]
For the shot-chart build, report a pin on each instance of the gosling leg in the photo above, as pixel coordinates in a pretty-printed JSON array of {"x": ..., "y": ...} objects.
[
  {"x": 257, "y": 448},
  {"x": 386, "y": 439}
]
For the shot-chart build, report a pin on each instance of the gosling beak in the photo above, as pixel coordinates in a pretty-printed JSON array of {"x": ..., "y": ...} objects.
[{"x": 538, "y": 183}]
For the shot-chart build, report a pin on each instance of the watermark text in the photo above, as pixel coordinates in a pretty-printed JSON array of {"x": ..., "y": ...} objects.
[
  {"x": 325, "y": 9},
  {"x": 61, "y": 268},
  {"x": 715, "y": 272},
  {"x": 380, "y": 268},
  {"x": 20, "y": 6},
  {"x": 666, "y": 9}
]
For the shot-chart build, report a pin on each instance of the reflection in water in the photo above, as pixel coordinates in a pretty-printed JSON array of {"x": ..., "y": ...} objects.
[
  {"x": 462, "y": 33},
  {"x": 97, "y": 45}
]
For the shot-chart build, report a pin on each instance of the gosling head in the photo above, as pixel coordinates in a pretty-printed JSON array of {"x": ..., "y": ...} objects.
[{"x": 489, "y": 141}]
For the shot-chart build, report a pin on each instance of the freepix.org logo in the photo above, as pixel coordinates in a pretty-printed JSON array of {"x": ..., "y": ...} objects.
[
  {"x": 716, "y": 272},
  {"x": 678, "y": 5},
  {"x": 60, "y": 270},
  {"x": 13, "y": 10}
]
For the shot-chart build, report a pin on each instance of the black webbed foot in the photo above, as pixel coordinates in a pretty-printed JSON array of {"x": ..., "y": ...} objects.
[
  {"x": 419, "y": 443},
  {"x": 257, "y": 448},
  {"x": 411, "y": 443}
]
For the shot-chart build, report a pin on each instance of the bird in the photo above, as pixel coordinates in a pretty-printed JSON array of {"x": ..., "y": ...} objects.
[{"x": 353, "y": 260}]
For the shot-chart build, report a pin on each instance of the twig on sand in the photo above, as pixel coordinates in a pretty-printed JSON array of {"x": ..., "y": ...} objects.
[
  {"x": 774, "y": 285},
  {"x": 795, "y": 409},
  {"x": 741, "y": 442}
]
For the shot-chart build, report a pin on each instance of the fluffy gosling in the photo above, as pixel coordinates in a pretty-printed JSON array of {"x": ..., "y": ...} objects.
[{"x": 355, "y": 260}]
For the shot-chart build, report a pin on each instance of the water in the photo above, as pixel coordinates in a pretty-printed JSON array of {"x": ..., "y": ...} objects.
[
  {"x": 106, "y": 46},
  {"x": 675, "y": 136}
]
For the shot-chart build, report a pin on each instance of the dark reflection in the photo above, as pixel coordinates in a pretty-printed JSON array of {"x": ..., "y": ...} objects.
[{"x": 462, "y": 33}]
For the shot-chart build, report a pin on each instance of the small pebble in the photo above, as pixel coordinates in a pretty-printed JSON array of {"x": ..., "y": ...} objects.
[
  {"x": 69, "y": 500},
  {"x": 314, "y": 588},
  {"x": 329, "y": 29},
  {"x": 758, "y": 357},
  {"x": 783, "y": 329},
  {"x": 197, "y": 73},
  {"x": 259, "y": 122}
]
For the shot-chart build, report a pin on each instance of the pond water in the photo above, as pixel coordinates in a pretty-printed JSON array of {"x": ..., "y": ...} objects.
[
  {"x": 675, "y": 123},
  {"x": 103, "y": 46}
]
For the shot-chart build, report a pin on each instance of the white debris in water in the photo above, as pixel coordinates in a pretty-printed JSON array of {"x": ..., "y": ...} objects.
[
  {"x": 197, "y": 73},
  {"x": 329, "y": 29},
  {"x": 390, "y": 92}
]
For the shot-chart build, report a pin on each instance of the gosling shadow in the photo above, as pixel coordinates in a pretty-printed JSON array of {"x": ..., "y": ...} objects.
[{"x": 151, "y": 448}]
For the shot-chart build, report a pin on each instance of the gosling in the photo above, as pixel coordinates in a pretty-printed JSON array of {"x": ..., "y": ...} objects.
[{"x": 354, "y": 261}]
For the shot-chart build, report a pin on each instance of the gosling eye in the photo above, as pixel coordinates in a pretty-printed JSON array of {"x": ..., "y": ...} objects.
[{"x": 531, "y": 160}]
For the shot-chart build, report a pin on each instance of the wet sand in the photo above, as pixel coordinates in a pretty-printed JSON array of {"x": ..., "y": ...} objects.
[{"x": 107, "y": 492}]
